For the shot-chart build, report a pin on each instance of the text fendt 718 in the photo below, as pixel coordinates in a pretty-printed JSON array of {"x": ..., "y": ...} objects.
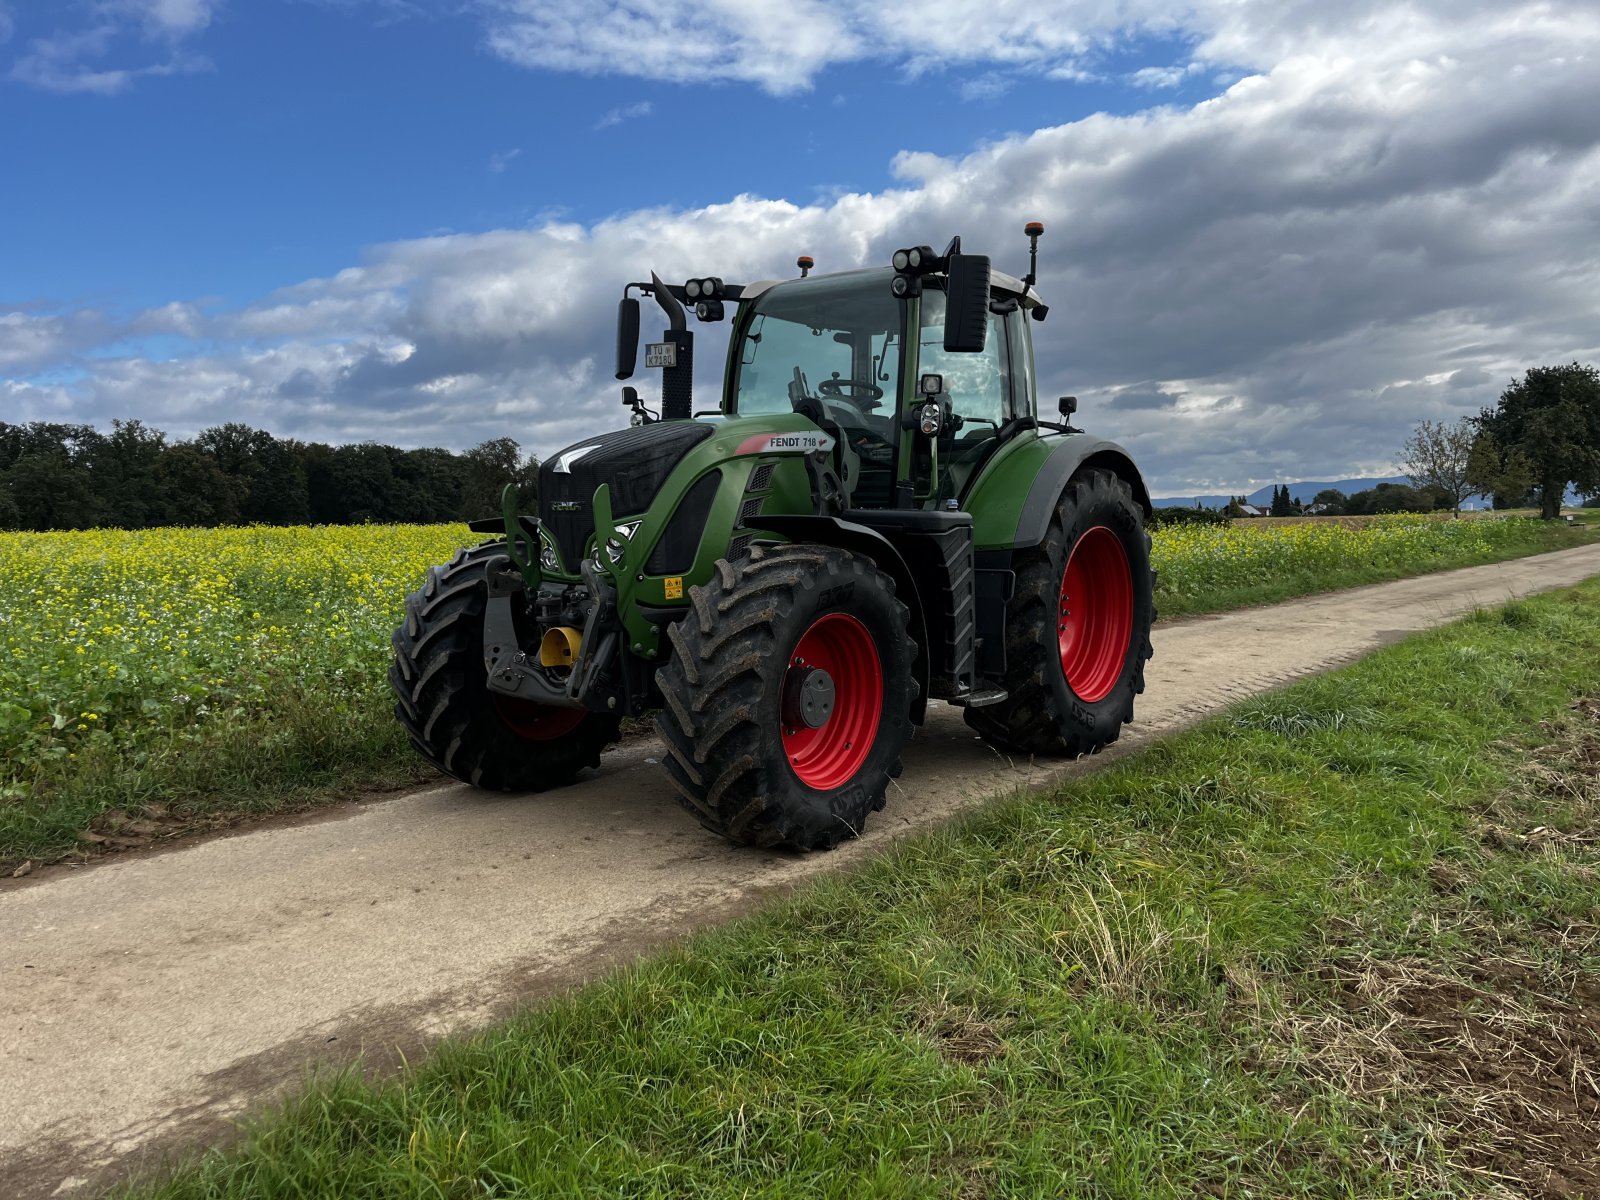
[{"x": 873, "y": 517}]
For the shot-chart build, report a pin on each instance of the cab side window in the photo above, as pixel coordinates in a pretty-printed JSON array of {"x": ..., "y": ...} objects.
[
  {"x": 978, "y": 389},
  {"x": 975, "y": 383},
  {"x": 1019, "y": 347}
]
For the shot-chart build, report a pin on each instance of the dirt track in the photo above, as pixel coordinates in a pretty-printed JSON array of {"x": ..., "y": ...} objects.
[{"x": 146, "y": 1000}]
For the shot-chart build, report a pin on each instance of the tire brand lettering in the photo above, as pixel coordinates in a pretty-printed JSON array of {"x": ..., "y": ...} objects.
[{"x": 837, "y": 594}]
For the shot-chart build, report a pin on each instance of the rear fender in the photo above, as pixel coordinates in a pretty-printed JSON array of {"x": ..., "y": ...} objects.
[
  {"x": 1073, "y": 454},
  {"x": 858, "y": 539}
]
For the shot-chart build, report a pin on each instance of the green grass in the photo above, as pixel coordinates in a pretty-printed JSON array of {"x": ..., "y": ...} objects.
[{"x": 1197, "y": 972}]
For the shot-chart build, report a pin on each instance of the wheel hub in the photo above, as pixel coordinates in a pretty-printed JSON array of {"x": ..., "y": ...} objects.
[
  {"x": 808, "y": 697},
  {"x": 831, "y": 701}
]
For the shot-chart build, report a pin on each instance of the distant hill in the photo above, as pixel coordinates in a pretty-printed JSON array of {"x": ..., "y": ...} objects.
[{"x": 1303, "y": 492}]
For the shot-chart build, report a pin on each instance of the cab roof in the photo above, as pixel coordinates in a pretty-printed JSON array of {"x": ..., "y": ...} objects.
[{"x": 999, "y": 281}]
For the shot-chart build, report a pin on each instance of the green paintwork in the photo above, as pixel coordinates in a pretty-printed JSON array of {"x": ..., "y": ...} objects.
[
  {"x": 996, "y": 497},
  {"x": 789, "y": 493}
]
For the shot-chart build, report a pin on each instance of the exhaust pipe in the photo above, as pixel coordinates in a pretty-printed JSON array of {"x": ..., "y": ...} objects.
[{"x": 677, "y": 381}]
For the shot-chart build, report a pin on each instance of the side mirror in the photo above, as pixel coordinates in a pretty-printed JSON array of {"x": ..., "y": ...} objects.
[
  {"x": 627, "y": 336},
  {"x": 1068, "y": 405},
  {"x": 966, "y": 314}
]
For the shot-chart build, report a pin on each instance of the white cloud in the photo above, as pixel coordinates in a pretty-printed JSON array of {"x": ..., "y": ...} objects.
[
  {"x": 499, "y": 162},
  {"x": 1373, "y": 229},
  {"x": 988, "y": 86},
  {"x": 1164, "y": 77},
  {"x": 76, "y": 60},
  {"x": 628, "y": 112}
]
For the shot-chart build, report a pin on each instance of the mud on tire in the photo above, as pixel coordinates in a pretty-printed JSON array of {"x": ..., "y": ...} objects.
[
  {"x": 1043, "y": 714},
  {"x": 453, "y": 719},
  {"x": 740, "y": 748}
]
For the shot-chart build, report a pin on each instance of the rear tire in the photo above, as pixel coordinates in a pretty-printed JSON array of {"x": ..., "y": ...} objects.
[
  {"x": 788, "y": 696},
  {"x": 443, "y": 699},
  {"x": 1077, "y": 627}
]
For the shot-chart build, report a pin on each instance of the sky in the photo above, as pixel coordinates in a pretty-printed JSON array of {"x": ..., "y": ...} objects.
[{"x": 1279, "y": 233}]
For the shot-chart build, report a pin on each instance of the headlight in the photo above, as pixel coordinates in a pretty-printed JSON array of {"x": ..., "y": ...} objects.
[{"x": 547, "y": 557}]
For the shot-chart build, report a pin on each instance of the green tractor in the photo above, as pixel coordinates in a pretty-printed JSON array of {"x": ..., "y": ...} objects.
[{"x": 874, "y": 516}]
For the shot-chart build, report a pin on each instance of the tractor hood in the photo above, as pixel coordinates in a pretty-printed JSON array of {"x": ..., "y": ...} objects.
[
  {"x": 635, "y": 462},
  {"x": 638, "y": 464}
]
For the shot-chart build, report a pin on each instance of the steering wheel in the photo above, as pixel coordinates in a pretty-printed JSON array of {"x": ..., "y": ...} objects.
[{"x": 859, "y": 392}]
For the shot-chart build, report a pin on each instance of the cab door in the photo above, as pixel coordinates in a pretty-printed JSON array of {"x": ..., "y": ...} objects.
[{"x": 985, "y": 393}]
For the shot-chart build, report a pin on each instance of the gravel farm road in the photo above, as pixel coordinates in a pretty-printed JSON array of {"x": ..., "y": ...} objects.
[{"x": 147, "y": 1000}]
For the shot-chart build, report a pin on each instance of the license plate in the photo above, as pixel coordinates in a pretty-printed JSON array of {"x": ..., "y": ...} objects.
[{"x": 661, "y": 354}]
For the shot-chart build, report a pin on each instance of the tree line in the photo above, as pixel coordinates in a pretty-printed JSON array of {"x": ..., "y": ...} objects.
[
  {"x": 63, "y": 476},
  {"x": 1540, "y": 439}
]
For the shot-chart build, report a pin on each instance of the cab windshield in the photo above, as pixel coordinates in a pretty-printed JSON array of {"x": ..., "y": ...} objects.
[{"x": 836, "y": 339}]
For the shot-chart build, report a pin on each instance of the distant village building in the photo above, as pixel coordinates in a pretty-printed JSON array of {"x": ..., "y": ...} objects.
[{"x": 1254, "y": 510}]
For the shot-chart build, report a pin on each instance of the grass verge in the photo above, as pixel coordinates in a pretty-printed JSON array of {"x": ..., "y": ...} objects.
[
  {"x": 1340, "y": 941},
  {"x": 1253, "y": 565}
]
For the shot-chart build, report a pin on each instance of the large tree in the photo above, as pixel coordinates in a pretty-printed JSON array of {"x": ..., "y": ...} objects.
[
  {"x": 1551, "y": 419},
  {"x": 1436, "y": 457}
]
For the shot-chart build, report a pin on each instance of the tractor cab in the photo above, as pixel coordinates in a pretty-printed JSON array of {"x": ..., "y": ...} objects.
[{"x": 913, "y": 421}]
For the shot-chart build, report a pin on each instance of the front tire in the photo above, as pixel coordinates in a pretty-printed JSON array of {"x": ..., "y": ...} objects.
[
  {"x": 1077, "y": 627},
  {"x": 788, "y": 697},
  {"x": 442, "y": 696}
]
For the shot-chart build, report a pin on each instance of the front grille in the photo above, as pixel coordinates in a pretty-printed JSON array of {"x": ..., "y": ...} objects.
[
  {"x": 571, "y": 529},
  {"x": 749, "y": 510},
  {"x": 635, "y": 462},
  {"x": 739, "y": 547},
  {"x": 760, "y": 478}
]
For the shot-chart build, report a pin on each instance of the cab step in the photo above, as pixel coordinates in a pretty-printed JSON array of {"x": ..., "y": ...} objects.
[{"x": 980, "y": 698}]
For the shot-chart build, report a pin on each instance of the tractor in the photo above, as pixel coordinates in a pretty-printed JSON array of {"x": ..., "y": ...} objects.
[{"x": 873, "y": 516}]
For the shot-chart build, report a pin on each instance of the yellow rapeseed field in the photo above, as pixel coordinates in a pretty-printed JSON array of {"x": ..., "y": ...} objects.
[
  {"x": 206, "y": 669},
  {"x": 113, "y": 636},
  {"x": 1196, "y": 561}
]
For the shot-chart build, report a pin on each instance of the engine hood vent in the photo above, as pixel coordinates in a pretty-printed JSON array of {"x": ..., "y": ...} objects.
[{"x": 635, "y": 462}]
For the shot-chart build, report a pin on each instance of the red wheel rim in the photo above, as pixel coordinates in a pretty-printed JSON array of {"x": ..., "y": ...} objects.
[
  {"x": 827, "y": 757},
  {"x": 537, "y": 722},
  {"x": 1095, "y": 619}
]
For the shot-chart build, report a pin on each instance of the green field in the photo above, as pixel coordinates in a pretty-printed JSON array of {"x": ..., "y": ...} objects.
[
  {"x": 167, "y": 681},
  {"x": 1339, "y": 941}
]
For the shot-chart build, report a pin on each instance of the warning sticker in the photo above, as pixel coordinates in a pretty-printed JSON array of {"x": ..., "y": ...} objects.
[{"x": 674, "y": 586}]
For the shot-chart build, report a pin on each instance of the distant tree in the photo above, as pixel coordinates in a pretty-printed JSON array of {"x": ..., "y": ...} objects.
[
  {"x": 51, "y": 491},
  {"x": 1282, "y": 502},
  {"x": 1551, "y": 417},
  {"x": 122, "y": 469},
  {"x": 490, "y": 466},
  {"x": 1507, "y": 477},
  {"x": 1389, "y": 498},
  {"x": 192, "y": 488},
  {"x": 1331, "y": 500},
  {"x": 1179, "y": 514},
  {"x": 1436, "y": 456},
  {"x": 1234, "y": 508}
]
